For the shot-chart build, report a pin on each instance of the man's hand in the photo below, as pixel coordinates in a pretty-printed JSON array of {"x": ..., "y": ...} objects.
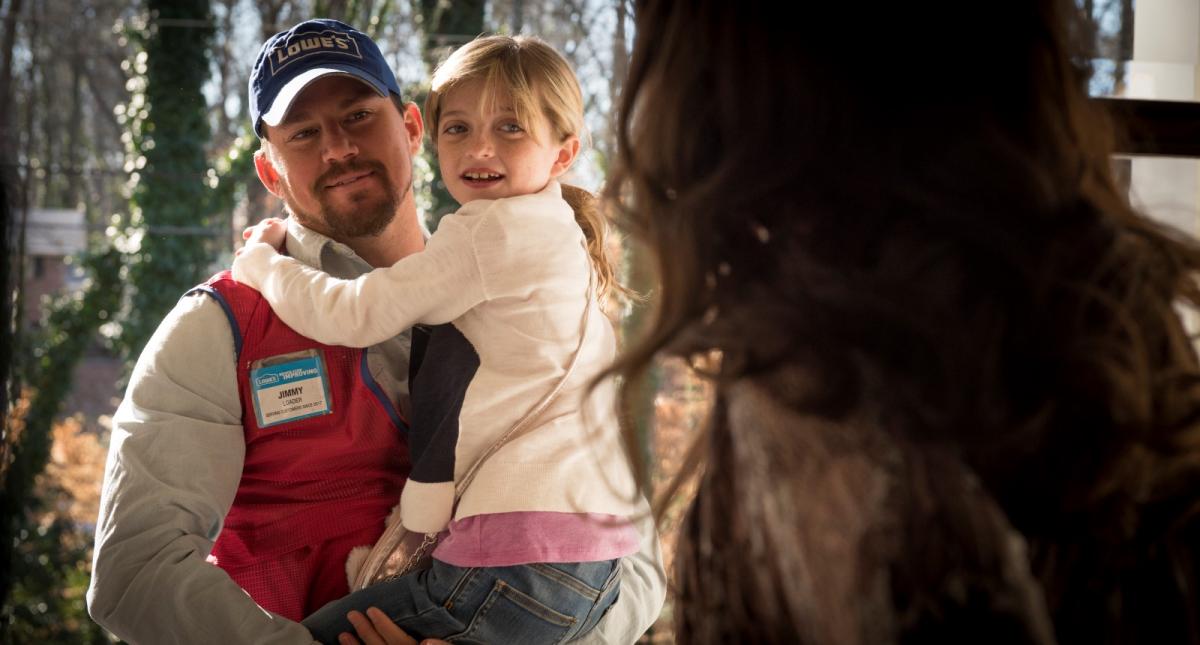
[
  {"x": 377, "y": 629},
  {"x": 271, "y": 231}
]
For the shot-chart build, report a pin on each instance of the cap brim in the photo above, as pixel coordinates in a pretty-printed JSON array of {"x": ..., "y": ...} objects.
[{"x": 283, "y": 100}]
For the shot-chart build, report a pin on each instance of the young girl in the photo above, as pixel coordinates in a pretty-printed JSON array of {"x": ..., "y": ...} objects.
[{"x": 530, "y": 553}]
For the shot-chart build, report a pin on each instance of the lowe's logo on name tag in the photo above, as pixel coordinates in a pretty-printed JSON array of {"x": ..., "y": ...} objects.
[{"x": 290, "y": 391}]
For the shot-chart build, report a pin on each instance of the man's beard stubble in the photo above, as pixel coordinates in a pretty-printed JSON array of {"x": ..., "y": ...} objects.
[{"x": 363, "y": 218}]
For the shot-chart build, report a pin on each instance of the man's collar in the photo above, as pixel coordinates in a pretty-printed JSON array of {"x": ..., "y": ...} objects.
[{"x": 316, "y": 249}]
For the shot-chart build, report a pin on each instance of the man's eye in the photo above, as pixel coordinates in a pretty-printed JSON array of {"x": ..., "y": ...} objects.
[
  {"x": 302, "y": 134},
  {"x": 358, "y": 116}
]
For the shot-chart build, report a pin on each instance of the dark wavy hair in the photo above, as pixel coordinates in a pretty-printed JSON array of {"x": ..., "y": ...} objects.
[{"x": 912, "y": 204}]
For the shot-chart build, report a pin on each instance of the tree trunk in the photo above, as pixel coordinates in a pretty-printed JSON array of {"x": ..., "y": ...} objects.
[
  {"x": 270, "y": 12},
  {"x": 620, "y": 69},
  {"x": 25, "y": 191},
  {"x": 225, "y": 61},
  {"x": 49, "y": 119},
  {"x": 12, "y": 502},
  {"x": 8, "y": 387},
  {"x": 8, "y": 183},
  {"x": 1124, "y": 47},
  {"x": 7, "y": 45},
  {"x": 72, "y": 185},
  {"x": 518, "y": 16}
]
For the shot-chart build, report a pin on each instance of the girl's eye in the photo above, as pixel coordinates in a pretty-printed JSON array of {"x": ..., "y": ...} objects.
[
  {"x": 511, "y": 127},
  {"x": 454, "y": 129}
]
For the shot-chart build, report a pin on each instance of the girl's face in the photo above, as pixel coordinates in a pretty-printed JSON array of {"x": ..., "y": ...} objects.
[{"x": 485, "y": 153}]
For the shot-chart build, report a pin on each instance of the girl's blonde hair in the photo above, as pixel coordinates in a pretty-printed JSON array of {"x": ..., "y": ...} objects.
[{"x": 540, "y": 84}]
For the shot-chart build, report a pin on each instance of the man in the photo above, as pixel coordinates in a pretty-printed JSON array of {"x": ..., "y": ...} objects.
[{"x": 234, "y": 428}]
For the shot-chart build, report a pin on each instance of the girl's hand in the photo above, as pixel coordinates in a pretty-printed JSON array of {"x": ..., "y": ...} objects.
[
  {"x": 271, "y": 231},
  {"x": 379, "y": 630}
]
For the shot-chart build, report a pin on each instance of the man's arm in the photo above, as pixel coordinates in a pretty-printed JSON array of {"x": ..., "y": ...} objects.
[
  {"x": 643, "y": 590},
  {"x": 173, "y": 467}
]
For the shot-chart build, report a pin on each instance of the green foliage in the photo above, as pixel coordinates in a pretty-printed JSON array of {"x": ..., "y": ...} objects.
[
  {"x": 69, "y": 330},
  {"x": 71, "y": 323},
  {"x": 232, "y": 171},
  {"x": 51, "y": 565},
  {"x": 169, "y": 239},
  {"x": 433, "y": 197}
]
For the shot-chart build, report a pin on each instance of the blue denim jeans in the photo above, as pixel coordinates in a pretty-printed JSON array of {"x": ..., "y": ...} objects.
[{"x": 529, "y": 603}]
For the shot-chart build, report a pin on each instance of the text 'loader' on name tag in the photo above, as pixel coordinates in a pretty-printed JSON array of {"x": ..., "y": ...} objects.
[{"x": 290, "y": 387}]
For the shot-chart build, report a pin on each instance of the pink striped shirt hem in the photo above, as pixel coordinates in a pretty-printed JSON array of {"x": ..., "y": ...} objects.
[{"x": 509, "y": 539}]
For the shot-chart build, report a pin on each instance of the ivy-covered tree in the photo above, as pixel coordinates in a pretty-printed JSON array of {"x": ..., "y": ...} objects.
[{"x": 169, "y": 238}]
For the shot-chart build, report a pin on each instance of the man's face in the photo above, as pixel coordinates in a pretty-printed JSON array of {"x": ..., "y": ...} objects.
[{"x": 342, "y": 159}]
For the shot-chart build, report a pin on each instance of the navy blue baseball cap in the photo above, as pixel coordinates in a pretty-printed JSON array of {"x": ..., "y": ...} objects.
[{"x": 292, "y": 59}]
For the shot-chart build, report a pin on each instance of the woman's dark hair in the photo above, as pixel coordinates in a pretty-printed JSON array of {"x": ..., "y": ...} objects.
[{"x": 912, "y": 205}]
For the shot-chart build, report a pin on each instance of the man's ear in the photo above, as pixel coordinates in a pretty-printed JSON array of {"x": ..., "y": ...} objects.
[
  {"x": 267, "y": 173},
  {"x": 414, "y": 126},
  {"x": 566, "y": 156}
]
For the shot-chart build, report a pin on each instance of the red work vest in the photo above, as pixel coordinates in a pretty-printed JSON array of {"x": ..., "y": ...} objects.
[{"x": 313, "y": 488}]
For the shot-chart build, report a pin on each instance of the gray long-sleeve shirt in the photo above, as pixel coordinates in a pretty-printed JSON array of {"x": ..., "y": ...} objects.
[{"x": 173, "y": 468}]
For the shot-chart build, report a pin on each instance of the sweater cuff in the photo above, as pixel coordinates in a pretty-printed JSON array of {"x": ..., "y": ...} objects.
[
  {"x": 426, "y": 508},
  {"x": 252, "y": 264}
]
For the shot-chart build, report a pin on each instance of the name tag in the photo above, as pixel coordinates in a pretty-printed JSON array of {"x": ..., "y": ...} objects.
[{"x": 290, "y": 387}]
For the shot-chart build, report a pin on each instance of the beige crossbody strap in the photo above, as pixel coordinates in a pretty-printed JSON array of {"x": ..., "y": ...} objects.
[{"x": 536, "y": 411}]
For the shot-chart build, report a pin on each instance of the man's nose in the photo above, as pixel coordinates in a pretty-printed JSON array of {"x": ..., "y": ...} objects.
[{"x": 339, "y": 145}]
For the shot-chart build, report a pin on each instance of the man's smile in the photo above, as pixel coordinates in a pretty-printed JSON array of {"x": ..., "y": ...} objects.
[{"x": 348, "y": 179}]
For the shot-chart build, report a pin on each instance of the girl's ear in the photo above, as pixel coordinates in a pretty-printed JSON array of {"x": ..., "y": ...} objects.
[{"x": 567, "y": 151}]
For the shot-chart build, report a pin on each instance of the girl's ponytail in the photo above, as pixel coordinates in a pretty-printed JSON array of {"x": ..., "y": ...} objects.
[{"x": 590, "y": 218}]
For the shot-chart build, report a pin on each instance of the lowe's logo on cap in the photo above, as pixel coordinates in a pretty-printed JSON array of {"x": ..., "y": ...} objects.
[
  {"x": 335, "y": 42},
  {"x": 292, "y": 59}
]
